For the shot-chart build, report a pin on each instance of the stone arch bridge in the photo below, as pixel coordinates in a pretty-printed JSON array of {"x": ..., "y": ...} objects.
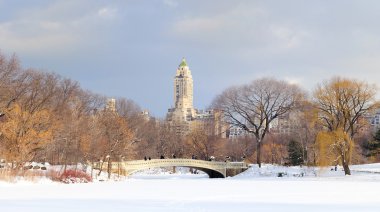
[{"x": 214, "y": 169}]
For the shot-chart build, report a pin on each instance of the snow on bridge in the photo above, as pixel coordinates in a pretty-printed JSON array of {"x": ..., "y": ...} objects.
[{"x": 214, "y": 169}]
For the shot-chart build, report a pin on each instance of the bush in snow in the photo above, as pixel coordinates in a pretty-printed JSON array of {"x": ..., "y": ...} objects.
[
  {"x": 75, "y": 176},
  {"x": 13, "y": 175},
  {"x": 71, "y": 176}
]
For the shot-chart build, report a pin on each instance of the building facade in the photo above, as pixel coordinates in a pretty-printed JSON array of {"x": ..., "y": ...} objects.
[
  {"x": 111, "y": 105},
  {"x": 183, "y": 117},
  {"x": 183, "y": 112}
]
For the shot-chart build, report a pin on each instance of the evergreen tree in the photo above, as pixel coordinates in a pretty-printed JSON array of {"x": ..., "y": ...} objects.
[
  {"x": 373, "y": 146},
  {"x": 295, "y": 153}
]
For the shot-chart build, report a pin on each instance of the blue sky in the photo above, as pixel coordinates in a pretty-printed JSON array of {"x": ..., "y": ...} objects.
[{"x": 132, "y": 48}]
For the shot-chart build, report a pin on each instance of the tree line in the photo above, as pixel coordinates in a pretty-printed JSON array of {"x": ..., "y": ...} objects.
[
  {"x": 330, "y": 123},
  {"x": 46, "y": 117}
]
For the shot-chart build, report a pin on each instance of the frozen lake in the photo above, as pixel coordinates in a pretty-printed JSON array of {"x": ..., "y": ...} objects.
[{"x": 359, "y": 192}]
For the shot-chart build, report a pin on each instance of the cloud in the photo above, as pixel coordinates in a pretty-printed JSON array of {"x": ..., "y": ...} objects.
[
  {"x": 200, "y": 27},
  {"x": 50, "y": 25},
  {"x": 34, "y": 37},
  {"x": 61, "y": 26},
  {"x": 243, "y": 27},
  {"x": 294, "y": 80},
  {"x": 107, "y": 13},
  {"x": 366, "y": 67},
  {"x": 288, "y": 38},
  {"x": 171, "y": 3},
  {"x": 232, "y": 41}
]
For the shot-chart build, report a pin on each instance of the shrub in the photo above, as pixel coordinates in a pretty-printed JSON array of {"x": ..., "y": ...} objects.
[
  {"x": 7, "y": 175},
  {"x": 54, "y": 175},
  {"x": 12, "y": 175},
  {"x": 75, "y": 176}
]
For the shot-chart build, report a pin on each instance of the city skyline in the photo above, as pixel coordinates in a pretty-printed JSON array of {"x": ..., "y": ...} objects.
[{"x": 132, "y": 48}]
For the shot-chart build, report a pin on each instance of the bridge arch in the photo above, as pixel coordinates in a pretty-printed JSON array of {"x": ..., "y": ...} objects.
[
  {"x": 211, "y": 173},
  {"x": 212, "y": 168}
]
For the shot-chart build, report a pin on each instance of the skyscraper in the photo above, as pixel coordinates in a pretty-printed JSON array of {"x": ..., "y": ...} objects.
[
  {"x": 183, "y": 87},
  {"x": 183, "y": 112},
  {"x": 183, "y": 117}
]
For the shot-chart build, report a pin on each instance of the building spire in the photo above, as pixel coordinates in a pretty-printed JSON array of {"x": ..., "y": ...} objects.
[{"x": 183, "y": 63}]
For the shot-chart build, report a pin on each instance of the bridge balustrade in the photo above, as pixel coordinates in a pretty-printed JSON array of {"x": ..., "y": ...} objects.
[{"x": 212, "y": 168}]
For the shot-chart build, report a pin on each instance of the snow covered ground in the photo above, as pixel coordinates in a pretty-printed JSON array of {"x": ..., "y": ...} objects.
[{"x": 254, "y": 190}]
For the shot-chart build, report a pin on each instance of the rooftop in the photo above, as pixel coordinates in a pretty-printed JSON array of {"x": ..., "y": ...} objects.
[{"x": 183, "y": 63}]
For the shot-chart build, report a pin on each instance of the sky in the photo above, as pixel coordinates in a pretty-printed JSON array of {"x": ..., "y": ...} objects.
[{"x": 132, "y": 48}]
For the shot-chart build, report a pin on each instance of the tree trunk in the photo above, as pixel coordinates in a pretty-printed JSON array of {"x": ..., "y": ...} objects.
[
  {"x": 272, "y": 152},
  {"x": 109, "y": 167},
  {"x": 347, "y": 170},
  {"x": 346, "y": 157},
  {"x": 65, "y": 166},
  {"x": 259, "y": 152},
  {"x": 101, "y": 166},
  {"x": 92, "y": 169},
  {"x": 118, "y": 169}
]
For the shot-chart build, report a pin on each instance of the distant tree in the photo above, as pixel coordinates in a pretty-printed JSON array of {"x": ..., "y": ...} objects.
[
  {"x": 253, "y": 107},
  {"x": 274, "y": 150},
  {"x": 200, "y": 143},
  {"x": 147, "y": 135},
  {"x": 373, "y": 145},
  {"x": 29, "y": 117},
  {"x": 310, "y": 126},
  {"x": 305, "y": 128},
  {"x": 24, "y": 134},
  {"x": 113, "y": 137},
  {"x": 44, "y": 117},
  {"x": 334, "y": 147},
  {"x": 295, "y": 153},
  {"x": 238, "y": 148},
  {"x": 131, "y": 112},
  {"x": 11, "y": 81},
  {"x": 342, "y": 104}
]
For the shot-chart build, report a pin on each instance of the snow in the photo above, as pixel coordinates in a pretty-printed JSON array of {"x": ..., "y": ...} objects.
[
  {"x": 370, "y": 168},
  {"x": 159, "y": 190}
]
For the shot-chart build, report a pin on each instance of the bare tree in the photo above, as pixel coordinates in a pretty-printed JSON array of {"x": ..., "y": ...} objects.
[
  {"x": 253, "y": 107},
  {"x": 238, "y": 148},
  {"x": 153, "y": 138},
  {"x": 47, "y": 117},
  {"x": 342, "y": 104},
  {"x": 168, "y": 142},
  {"x": 114, "y": 138},
  {"x": 29, "y": 123},
  {"x": 200, "y": 143}
]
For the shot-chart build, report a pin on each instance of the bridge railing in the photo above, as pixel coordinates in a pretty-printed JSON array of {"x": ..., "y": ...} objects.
[{"x": 141, "y": 164}]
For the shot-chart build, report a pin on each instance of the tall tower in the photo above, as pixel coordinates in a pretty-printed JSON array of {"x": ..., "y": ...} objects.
[
  {"x": 183, "y": 112},
  {"x": 183, "y": 117},
  {"x": 183, "y": 87}
]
